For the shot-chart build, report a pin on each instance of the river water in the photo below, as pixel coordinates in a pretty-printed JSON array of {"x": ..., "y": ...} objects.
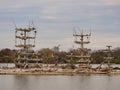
[{"x": 81, "y": 82}]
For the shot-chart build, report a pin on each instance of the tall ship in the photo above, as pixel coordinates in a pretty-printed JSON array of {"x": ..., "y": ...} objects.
[{"x": 25, "y": 41}]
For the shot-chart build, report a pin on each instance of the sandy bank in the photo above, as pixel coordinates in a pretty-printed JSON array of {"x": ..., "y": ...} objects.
[{"x": 37, "y": 71}]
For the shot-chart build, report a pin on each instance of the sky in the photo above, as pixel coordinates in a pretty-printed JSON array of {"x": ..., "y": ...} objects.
[{"x": 56, "y": 19}]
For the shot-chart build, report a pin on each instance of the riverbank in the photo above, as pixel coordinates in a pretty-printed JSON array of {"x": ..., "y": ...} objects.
[{"x": 54, "y": 71}]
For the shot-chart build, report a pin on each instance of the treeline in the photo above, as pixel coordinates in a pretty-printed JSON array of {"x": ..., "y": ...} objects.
[
  {"x": 7, "y": 55},
  {"x": 49, "y": 56},
  {"x": 99, "y": 56}
]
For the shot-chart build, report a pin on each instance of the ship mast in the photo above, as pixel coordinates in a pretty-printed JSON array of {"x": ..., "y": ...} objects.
[
  {"x": 84, "y": 52},
  {"x": 23, "y": 36},
  {"x": 108, "y": 58}
]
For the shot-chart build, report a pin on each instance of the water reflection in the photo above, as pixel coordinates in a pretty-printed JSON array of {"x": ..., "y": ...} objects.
[
  {"x": 82, "y": 82},
  {"x": 22, "y": 81}
]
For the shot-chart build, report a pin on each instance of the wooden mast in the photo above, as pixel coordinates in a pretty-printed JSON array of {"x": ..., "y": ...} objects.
[
  {"x": 22, "y": 38},
  {"x": 84, "y": 55}
]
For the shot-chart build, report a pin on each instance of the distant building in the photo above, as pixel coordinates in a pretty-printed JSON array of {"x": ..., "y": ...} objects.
[{"x": 56, "y": 48}]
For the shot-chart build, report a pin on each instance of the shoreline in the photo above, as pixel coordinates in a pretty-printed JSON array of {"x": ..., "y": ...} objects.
[{"x": 72, "y": 72}]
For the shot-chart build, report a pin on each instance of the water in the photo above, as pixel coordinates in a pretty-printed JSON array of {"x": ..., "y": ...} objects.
[
  {"x": 7, "y": 65},
  {"x": 82, "y": 82},
  {"x": 93, "y": 65}
]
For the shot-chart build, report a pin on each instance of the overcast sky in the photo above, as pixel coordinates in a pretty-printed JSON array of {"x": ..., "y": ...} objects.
[{"x": 55, "y": 19}]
